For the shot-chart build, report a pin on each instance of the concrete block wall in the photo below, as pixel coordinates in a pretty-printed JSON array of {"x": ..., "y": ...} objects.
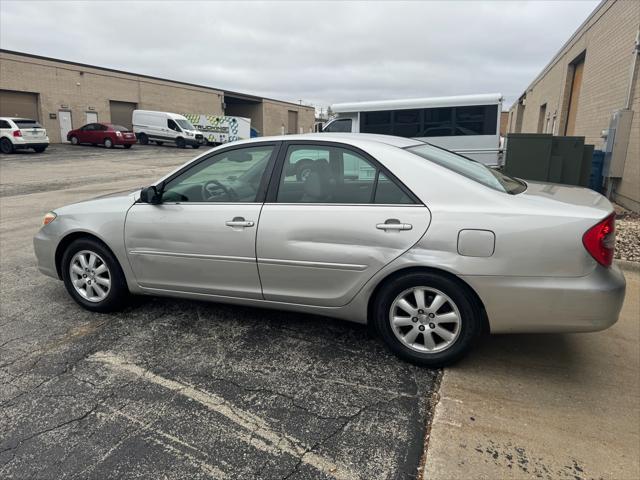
[
  {"x": 607, "y": 41},
  {"x": 275, "y": 117}
]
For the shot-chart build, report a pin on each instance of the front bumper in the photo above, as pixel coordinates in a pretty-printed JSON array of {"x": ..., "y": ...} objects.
[
  {"x": 551, "y": 304},
  {"x": 45, "y": 243}
]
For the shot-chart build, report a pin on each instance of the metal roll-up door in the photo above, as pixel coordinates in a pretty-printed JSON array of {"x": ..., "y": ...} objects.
[
  {"x": 122, "y": 112},
  {"x": 19, "y": 104}
]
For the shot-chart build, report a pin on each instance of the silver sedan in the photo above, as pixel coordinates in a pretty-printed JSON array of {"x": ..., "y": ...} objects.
[{"x": 428, "y": 247}]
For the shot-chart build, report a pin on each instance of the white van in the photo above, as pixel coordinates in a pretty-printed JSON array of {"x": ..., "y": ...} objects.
[
  {"x": 466, "y": 124},
  {"x": 161, "y": 127}
]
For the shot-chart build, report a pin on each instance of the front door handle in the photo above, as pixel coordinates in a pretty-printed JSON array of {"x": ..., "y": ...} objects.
[
  {"x": 239, "y": 222},
  {"x": 393, "y": 224}
]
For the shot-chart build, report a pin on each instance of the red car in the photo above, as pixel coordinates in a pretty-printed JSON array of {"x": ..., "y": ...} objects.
[{"x": 102, "y": 134}]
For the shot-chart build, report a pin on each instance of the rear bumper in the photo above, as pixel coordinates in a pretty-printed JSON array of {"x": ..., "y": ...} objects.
[
  {"x": 551, "y": 304},
  {"x": 25, "y": 145},
  {"x": 125, "y": 141}
]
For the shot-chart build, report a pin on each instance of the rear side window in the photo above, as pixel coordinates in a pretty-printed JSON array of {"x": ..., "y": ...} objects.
[
  {"x": 25, "y": 123},
  {"x": 328, "y": 174}
]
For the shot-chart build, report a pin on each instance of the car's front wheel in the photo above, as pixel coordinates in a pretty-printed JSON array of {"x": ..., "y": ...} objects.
[
  {"x": 427, "y": 318},
  {"x": 74, "y": 141},
  {"x": 180, "y": 143},
  {"x": 143, "y": 138},
  {"x": 6, "y": 146},
  {"x": 93, "y": 276},
  {"x": 108, "y": 143}
]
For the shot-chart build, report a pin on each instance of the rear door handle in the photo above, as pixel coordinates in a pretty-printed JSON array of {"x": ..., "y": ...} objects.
[
  {"x": 239, "y": 222},
  {"x": 393, "y": 224}
]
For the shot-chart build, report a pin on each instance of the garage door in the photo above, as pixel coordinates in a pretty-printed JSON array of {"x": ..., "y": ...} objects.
[
  {"x": 18, "y": 104},
  {"x": 121, "y": 113}
]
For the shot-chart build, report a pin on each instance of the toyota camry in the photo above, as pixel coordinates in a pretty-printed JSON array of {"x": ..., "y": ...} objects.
[{"x": 426, "y": 246}]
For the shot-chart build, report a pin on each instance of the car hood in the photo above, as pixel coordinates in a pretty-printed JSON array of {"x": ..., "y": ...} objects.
[{"x": 559, "y": 196}]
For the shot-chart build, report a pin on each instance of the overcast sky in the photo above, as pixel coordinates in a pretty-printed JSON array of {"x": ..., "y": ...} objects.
[{"x": 319, "y": 52}]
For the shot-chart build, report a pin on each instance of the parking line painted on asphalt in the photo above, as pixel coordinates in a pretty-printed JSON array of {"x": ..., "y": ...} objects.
[{"x": 269, "y": 440}]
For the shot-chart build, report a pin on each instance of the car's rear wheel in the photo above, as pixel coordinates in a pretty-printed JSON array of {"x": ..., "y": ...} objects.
[
  {"x": 143, "y": 139},
  {"x": 75, "y": 141},
  {"x": 427, "y": 318},
  {"x": 128, "y": 145},
  {"x": 180, "y": 143},
  {"x": 108, "y": 143},
  {"x": 93, "y": 276},
  {"x": 195, "y": 145},
  {"x": 39, "y": 149},
  {"x": 6, "y": 146},
  {"x": 159, "y": 143}
]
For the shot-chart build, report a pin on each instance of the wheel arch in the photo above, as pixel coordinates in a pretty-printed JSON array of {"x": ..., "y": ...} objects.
[
  {"x": 419, "y": 269},
  {"x": 70, "y": 238}
]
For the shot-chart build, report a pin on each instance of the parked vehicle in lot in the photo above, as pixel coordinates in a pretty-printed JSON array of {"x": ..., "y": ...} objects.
[
  {"x": 105, "y": 134},
  {"x": 432, "y": 248},
  {"x": 161, "y": 127},
  {"x": 21, "y": 134},
  {"x": 219, "y": 129},
  {"x": 467, "y": 124}
]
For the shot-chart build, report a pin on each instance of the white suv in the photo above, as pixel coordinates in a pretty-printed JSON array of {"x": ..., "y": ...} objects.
[{"x": 21, "y": 133}]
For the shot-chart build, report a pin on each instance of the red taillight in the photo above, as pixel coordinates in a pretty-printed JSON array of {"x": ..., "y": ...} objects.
[
  {"x": 600, "y": 240},
  {"x": 17, "y": 133}
]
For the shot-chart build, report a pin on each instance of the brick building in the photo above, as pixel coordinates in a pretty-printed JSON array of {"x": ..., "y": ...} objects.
[
  {"x": 63, "y": 95},
  {"x": 587, "y": 80}
]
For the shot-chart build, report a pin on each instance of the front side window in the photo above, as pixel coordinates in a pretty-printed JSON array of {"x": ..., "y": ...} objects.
[
  {"x": 89, "y": 127},
  {"x": 4, "y": 124},
  {"x": 339, "y": 126},
  {"x": 469, "y": 168},
  {"x": 328, "y": 174},
  {"x": 229, "y": 177},
  {"x": 173, "y": 125},
  {"x": 185, "y": 124}
]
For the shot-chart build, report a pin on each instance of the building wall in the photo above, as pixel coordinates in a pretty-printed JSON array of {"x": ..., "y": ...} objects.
[
  {"x": 275, "y": 117},
  {"x": 607, "y": 41},
  {"x": 81, "y": 89}
]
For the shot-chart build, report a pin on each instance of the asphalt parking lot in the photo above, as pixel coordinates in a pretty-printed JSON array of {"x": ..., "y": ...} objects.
[{"x": 181, "y": 389}]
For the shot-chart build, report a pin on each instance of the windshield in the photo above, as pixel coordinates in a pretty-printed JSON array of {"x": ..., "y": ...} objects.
[
  {"x": 25, "y": 123},
  {"x": 185, "y": 124},
  {"x": 470, "y": 169}
]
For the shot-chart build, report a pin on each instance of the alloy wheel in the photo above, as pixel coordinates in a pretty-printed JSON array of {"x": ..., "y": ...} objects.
[
  {"x": 90, "y": 276},
  {"x": 425, "y": 319}
]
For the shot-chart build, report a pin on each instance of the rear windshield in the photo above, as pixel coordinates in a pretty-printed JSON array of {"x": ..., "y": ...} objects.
[
  {"x": 470, "y": 168},
  {"x": 119, "y": 128},
  {"x": 25, "y": 123}
]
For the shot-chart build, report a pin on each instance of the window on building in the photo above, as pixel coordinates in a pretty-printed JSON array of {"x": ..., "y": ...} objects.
[{"x": 541, "y": 118}]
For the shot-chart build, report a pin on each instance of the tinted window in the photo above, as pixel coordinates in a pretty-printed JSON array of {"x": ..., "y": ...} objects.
[
  {"x": 102, "y": 127},
  {"x": 4, "y": 124},
  {"x": 173, "y": 125},
  {"x": 480, "y": 120},
  {"x": 406, "y": 123},
  {"x": 376, "y": 122},
  {"x": 25, "y": 123},
  {"x": 232, "y": 176},
  {"x": 343, "y": 125},
  {"x": 388, "y": 192},
  {"x": 469, "y": 168},
  {"x": 89, "y": 127},
  {"x": 438, "y": 122},
  {"x": 326, "y": 174}
]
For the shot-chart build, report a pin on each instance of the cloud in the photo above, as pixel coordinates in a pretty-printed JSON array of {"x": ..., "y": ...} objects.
[{"x": 318, "y": 52}]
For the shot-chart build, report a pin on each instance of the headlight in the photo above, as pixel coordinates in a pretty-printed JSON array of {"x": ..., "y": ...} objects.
[
  {"x": 189, "y": 134},
  {"x": 48, "y": 218}
]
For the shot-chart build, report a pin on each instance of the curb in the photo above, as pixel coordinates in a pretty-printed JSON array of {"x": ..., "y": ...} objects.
[{"x": 628, "y": 266}]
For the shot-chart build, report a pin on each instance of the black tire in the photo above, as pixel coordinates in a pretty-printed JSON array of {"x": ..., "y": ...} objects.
[
  {"x": 128, "y": 145},
  {"x": 195, "y": 145},
  {"x": 6, "y": 146},
  {"x": 118, "y": 292},
  {"x": 180, "y": 142},
  {"x": 143, "y": 139},
  {"x": 39, "y": 149},
  {"x": 108, "y": 143},
  {"x": 74, "y": 140},
  {"x": 470, "y": 325},
  {"x": 159, "y": 143}
]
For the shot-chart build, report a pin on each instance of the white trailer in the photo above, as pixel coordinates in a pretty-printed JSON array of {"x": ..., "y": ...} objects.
[{"x": 217, "y": 129}]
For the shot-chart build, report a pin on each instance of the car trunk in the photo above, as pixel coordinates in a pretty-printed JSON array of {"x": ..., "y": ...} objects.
[
  {"x": 30, "y": 130},
  {"x": 567, "y": 195}
]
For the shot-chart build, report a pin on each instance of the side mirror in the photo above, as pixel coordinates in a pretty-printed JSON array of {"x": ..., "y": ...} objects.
[{"x": 151, "y": 195}]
